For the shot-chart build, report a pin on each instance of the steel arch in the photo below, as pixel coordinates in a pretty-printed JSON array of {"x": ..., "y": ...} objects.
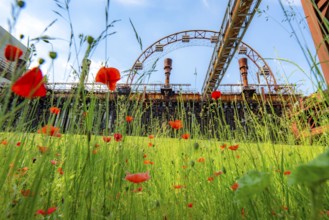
[{"x": 186, "y": 36}]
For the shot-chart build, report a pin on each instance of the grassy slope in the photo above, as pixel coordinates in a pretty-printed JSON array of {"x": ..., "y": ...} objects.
[{"x": 93, "y": 182}]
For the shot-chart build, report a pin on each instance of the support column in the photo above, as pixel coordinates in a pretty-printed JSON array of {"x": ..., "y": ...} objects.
[
  {"x": 315, "y": 12},
  {"x": 166, "y": 90},
  {"x": 243, "y": 65},
  {"x": 167, "y": 69},
  {"x": 247, "y": 90}
]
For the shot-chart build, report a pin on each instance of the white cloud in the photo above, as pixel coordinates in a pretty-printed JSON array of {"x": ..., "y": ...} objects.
[{"x": 131, "y": 2}]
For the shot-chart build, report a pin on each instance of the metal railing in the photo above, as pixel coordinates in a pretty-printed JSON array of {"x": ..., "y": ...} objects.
[{"x": 136, "y": 88}]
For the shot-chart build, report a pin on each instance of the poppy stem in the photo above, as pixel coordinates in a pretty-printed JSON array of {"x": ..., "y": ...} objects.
[
  {"x": 253, "y": 209},
  {"x": 18, "y": 108},
  {"x": 315, "y": 202}
]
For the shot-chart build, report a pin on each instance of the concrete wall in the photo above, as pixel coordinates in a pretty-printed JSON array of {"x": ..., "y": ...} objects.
[
  {"x": 8, "y": 70},
  {"x": 7, "y": 38}
]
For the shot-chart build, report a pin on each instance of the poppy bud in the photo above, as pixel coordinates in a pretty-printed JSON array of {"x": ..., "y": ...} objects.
[
  {"x": 90, "y": 39},
  {"x": 41, "y": 61},
  {"x": 21, "y": 4},
  {"x": 157, "y": 203},
  {"x": 224, "y": 170},
  {"x": 196, "y": 145},
  {"x": 52, "y": 55}
]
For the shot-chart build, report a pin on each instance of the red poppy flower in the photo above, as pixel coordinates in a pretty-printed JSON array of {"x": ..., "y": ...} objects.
[
  {"x": 218, "y": 173},
  {"x": 25, "y": 193},
  {"x": 53, "y": 162},
  {"x": 30, "y": 85},
  {"x": 144, "y": 156},
  {"x": 106, "y": 139},
  {"x": 95, "y": 151},
  {"x": 4, "y": 142},
  {"x": 151, "y": 136},
  {"x": 23, "y": 171},
  {"x": 190, "y": 205},
  {"x": 42, "y": 149},
  {"x": 179, "y": 186},
  {"x": 54, "y": 110},
  {"x": 184, "y": 167},
  {"x": 216, "y": 95},
  {"x": 223, "y": 146},
  {"x": 138, "y": 177},
  {"x": 129, "y": 118},
  {"x": 117, "y": 137},
  {"x": 41, "y": 212},
  {"x": 60, "y": 171},
  {"x": 150, "y": 144},
  {"x": 50, "y": 130},
  {"x": 108, "y": 76},
  {"x": 233, "y": 147},
  {"x": 139, "y": 189},
  {"x": 18, "y": 144},
  {"x": 177, "y": 124},
  {"x": 201, "y": 160},
  {"x": 51, "y": 210},
  {"x": 48, "y": 212},
  {"x": 185, "y": 136},
  {"x": 148, "y": 162},
  {"x": 286, "y": 173},
  {"x": 235, "y": 186},
  {"x": 210, "y": 179},
  {"x": 13, "y": 53}
]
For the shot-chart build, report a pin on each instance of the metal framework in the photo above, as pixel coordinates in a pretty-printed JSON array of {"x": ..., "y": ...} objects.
[
  {"x": 237, "y": 18},
  {"x": 63, "y": 87},
  {"x": 264, "y": 70},
  {"x": 159, "y": 45},
  {"x": 317, "y": 14}
]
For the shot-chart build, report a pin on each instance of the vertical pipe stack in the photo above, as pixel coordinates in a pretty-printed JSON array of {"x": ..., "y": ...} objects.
[
  {"x": 243, "y": 65},
  {"x": 167, "y": 69}
]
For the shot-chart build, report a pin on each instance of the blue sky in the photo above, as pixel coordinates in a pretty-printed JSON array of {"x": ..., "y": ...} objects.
[{"x": 268, "y": 34}]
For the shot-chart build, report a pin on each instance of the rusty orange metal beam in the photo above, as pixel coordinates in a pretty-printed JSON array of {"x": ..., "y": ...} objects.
[
  {"x": 316, "y": 12},
  {"x": 236, "y": 20}
]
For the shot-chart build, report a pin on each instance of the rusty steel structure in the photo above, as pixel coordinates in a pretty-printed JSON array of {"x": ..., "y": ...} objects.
[
  {"x": 317, "y": 16},
  {"x": 161, "y": 44},
  {"x": 267, "y": 83},
  {"x": 163, "y": 100},
  {"x": 235, "y": 23}
]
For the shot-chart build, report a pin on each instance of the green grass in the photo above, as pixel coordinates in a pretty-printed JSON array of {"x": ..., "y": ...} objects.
[{"x": 93, "y": 185}]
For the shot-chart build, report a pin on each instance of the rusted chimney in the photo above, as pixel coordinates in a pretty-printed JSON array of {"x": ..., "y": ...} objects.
[
  {"x": 167, "y": 69},
  {"x": 243, "y": 65}
]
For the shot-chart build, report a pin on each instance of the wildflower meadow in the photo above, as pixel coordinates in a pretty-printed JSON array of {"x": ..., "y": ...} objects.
[{"x": 96, "y": 167}]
